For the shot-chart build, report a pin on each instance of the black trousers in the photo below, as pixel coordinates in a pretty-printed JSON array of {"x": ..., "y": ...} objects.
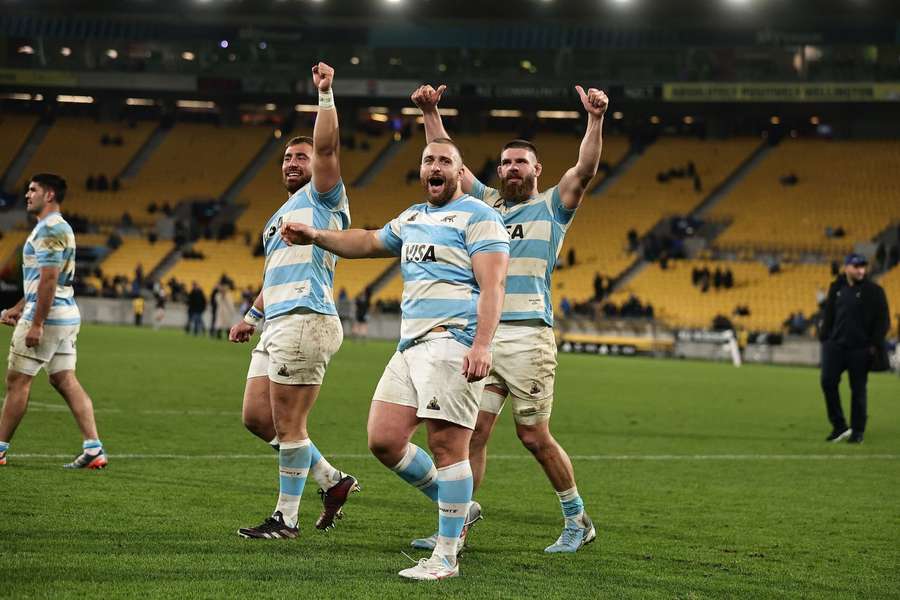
[{"x": 835, "y": 360}]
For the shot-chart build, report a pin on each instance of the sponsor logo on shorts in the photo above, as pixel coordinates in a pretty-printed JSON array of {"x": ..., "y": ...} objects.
[
  {"x": 535, "y": 388},
  {"x": 283, "y": 371},
  {"x": 433, "y": 405}
]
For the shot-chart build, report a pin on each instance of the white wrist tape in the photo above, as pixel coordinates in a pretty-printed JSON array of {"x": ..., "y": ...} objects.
[{"x": 326, "y": 100}]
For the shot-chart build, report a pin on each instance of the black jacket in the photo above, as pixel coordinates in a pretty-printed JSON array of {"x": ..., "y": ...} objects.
[{"x": 873, "y": 311}]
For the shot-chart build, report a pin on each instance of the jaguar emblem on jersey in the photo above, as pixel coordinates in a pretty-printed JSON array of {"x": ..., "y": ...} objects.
[
  {"x": 419, "y": 253},
  {"x": 448, "y": 219}
]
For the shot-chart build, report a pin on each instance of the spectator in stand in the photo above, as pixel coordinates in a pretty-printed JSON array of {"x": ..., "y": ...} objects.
[
  {"x": 360, "y": 325},
  {"x": 728, "y": 279},
  {"x": 718, "y": 278},
  {"x": 196, "y": 307},
  {"x": 225, "y": 314},
  {"x": 91, "y": 183},
  {"x": 214, "y": 311},
  {"x": 633, "y": 241},
  {"x": 565, "y": 307},
  {"x": 598, "y": 287}
]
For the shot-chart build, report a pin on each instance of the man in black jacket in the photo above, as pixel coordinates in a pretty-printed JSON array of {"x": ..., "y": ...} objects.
[{"x": 856, "y": 320}]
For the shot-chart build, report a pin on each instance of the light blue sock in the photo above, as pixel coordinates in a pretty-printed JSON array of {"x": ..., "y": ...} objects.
[
  {"x": 4, "y": 446},
  {"x": 454, "y": 495},
  {"x": 572, "y": 504},
  {"x": 293, "y": 466},
  {"x": 418, "y": 470},
  {"x": 92, "y": 447},
  {"x": 321, "y": 470}
]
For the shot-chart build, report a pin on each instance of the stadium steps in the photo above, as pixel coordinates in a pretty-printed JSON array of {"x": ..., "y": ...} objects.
[
  {"x": 166, "y": 264},
  {"x": 888, "y": 236},
  {"x": 24, "y": 156},
  {"x": 732, "y": 180},
  {"x": 251, "y": 170},
  {"x": 377, "y": 165},
  {"x": 619, "y": 169},
  {"x": 711, "y": 200},
  {"x": 146, "y": 151}
]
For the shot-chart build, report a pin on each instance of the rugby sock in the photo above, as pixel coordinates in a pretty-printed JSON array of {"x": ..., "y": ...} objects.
[
  {"x": 293, "y": 466},
  {"x": 454, "y": 496},
  {"x": 417, "y": 469},
  {"x": 4, "y": 446},
  {"x": 321, "y": 470},
  {"x": 92, "y": 447},
  {"x": 572, "y": 504}
]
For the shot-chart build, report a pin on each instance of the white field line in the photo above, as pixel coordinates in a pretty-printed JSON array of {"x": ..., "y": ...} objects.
[{"x": 602, "y": 457}]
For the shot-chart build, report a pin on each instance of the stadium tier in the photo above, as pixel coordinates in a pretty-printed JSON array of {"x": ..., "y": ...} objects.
[
  {"x": 558, "y": 153},
  {"x": 265, "y": 193},
  {"x": 134, "y": 251},
  {"x": 890, "y": 281},
  {"x": 10, "y": 246},
  {"x": 73, "y": 149},
  {"x": 638, "y": 200},
  {"x": 233, "y": 258},
  {"x": 769, "y": 298},
  {"x": 15, "y": 131},
  {"x": 852, "y": 185},
  {"x": 355, "y": 275}
]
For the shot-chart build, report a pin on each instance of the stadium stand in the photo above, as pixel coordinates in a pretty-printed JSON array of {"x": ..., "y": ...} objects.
[
  {"x": 15, "y": 131},
  {"x": 232, "y": 257},
  {"x": 134, "y": 251},
  {"x": 770, "y": 298},
  {"x": 890, "y": 281},
  {"x": 559, "y": 152},
  {"x": 74, "y": 150},
  {"x": 851, "y": 185}
]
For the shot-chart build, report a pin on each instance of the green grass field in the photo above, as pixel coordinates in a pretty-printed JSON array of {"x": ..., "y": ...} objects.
[{"x": 705, "y": 481}]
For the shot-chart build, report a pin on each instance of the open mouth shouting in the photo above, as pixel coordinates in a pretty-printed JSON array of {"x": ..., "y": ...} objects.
[{"x": 436, "y": 184}]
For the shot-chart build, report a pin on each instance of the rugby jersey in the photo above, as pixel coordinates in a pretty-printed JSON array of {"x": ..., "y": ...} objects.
[
  {"x": 536, "y": 229},
  {"x": 51, "y": 244},
  {"x": 436, "y": 245},
  {"x": 302, "y": 277}
]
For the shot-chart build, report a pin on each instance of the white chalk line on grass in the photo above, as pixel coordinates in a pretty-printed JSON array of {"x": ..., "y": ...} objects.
[
  {"x": 600, "y": 457},
  {"x": 198, "y": 412}
]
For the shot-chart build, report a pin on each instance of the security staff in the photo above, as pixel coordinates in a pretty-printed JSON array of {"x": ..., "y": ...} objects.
[{"x": 855, "y": 322}]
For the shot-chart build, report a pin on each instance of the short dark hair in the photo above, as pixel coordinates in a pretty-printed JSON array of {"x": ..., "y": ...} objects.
[
  {"x": 525, "y": 144},
  {"x": 52, "y": 182},
  {"x": 300, "y": 139},
  {"x": 449, "y": 142}
]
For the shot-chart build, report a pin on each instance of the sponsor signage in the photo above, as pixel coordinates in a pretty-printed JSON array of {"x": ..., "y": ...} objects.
[{"x": 781, "y": 92}]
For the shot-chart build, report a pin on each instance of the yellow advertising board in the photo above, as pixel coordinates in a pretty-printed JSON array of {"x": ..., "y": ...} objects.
[{"x": 781, "y": 92}]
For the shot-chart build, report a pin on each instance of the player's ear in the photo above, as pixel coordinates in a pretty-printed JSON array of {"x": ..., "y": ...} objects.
[{"x": 538, "y": 167}]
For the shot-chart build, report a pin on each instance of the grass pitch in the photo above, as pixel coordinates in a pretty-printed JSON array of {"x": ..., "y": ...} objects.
[{"x": 705, "y": 481}]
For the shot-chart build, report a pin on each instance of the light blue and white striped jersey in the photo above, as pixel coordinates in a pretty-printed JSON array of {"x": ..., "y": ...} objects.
[
  {"x": 302, "y": 277},
  {"x": 51, "y": 244},
  {"x": 536, "y": 229},
  {"x": 436, "y": 245}
]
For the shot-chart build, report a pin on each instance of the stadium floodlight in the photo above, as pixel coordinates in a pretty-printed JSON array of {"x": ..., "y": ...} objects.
[
  {"x": 25, "y": 50},
  {"x": 505, "y": 113},
  {"x": 112, "y": 53},
  {"x": 311, "y": 108},
  {"x": 139, "y": 102},
  {"x": 270, "y": 106},
  {"x": 775, "y": 120},
  {"x": 75, "y": 99},
  {"x": 277, "y": 133},
  {"x": 354, "y": 60},
  {"x": 445, "y": 112},
  {"x": 814, "y": 120},
  {"x": 688, "y": 119},
  {"x": 381, "y": 118},
  {"x": 187, "y": 55},
  {"x": 15, "y": 96},
  {"x": 195, "y": 104},
  {"x": 379, "y": 110},
  {"x": 655, "y": 120},
  {"x": 737, "y": 2},
  {"x": 223, "y": 44},
  {"x": 558, "y": 114},
  {"x": 621, "y": 2},
  {"x": 393, "y": 1},
  {"x": 65, "y": 51},
  {"x": 618, "y": 116}
]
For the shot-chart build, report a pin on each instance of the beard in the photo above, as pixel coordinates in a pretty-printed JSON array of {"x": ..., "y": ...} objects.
[
  {"x": 517, "y": 191},
  {"x": 446, "y": 194},
  {"x": 293, "y": 186}
]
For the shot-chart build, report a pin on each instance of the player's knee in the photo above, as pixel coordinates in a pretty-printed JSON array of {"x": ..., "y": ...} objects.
[
  {"x": 535, "y": 441},
  {"x": 60, "y": 380},
  {"x": 384, "y": 449},
  {"x": 17, "y": 381}
]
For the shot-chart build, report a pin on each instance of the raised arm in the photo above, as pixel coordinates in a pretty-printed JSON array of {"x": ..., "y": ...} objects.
[
  {"x": 349, "y": 243},
  {"x": 427, "y": 99},
  {"x": 326, "y": 168},
  {"x": 574, "y": 183},
  {"x": 490, "y": 273}
]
